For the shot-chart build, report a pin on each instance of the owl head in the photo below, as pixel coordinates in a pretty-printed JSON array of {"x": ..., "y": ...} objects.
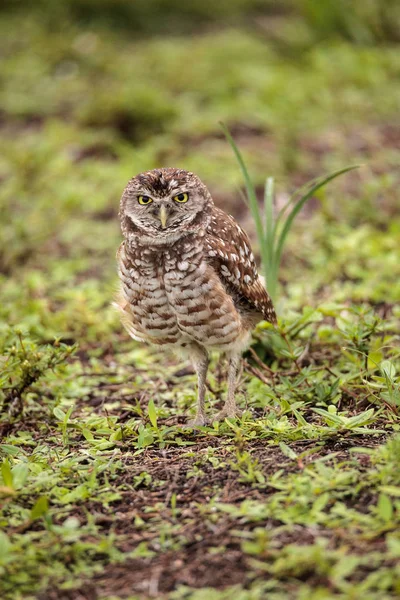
[{"x": 162, "y": 205}]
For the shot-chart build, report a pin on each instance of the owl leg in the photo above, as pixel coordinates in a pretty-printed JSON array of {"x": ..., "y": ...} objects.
[
  {"x": 200, "y": 362},
  {"x": 230, "y": 409}
]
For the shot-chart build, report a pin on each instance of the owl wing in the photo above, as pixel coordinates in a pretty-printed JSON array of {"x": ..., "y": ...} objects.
[{"x": 228, "y": 250}]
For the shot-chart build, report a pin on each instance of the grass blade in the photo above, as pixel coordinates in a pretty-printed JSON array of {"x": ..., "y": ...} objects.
[
  {"x": 252, "y": 197},
  {"x": 152, "y": 414},
  {"x": 269, "y": 216},
  {"x": 271, "y": 276},
  {"x": 299, "y": 192},
  {"x": 299, "y": 205}
]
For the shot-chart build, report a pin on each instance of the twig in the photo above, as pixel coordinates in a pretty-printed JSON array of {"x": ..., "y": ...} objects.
[
  {"x": 261, "y": 364},
  {"x": 256, "y": 372}
]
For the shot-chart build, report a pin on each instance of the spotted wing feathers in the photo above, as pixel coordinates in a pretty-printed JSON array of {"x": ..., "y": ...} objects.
[{"x": 228, "y": 250}]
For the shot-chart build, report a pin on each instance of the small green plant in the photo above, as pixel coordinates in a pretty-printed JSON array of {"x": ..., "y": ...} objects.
[
  {"x": 63, "y": 419},
  {"x": 386, "y": 384},
  {"x": 272, "y": 230},
  {"x": 248, "y": 468},
  {"x": 358, "y": 331},
  {"x": 23, "y": 364}
]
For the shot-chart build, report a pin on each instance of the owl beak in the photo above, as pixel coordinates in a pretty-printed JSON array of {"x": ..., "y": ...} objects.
[{"x": 163, "y": 215}]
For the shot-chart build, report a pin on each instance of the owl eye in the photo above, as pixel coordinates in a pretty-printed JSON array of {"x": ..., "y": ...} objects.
[
  {"x": 145, "y": 199},
  {"x": 183, "y": 197}
]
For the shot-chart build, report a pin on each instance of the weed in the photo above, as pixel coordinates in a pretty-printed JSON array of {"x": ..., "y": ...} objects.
[
  {"x": 23, "y": 364},
  {"x": 272, "y": 231}
]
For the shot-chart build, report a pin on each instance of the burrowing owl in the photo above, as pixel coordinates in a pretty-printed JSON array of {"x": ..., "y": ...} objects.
[{"x": 188, "y": 276}]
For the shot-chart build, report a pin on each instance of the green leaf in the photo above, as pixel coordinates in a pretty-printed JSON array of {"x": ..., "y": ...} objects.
[
  {"x": 20, "y": 474},
  {"x": 173, "y": 501},
  {"x": 9, "y": 449},
  {"x": 68, "y": 414},
  {"x": 5, "y": 547},
  {"x": 362, "y": 419},
  {"x": 388, "y": 369},
  {"x": 287, "y": 451},
  {"x": 59, "y": 414},
  {"x": 299, "y": 417},
  {"x": 152, "y": 413},
  {"x": 145, "y": 438},
  {"x": 391, "y": 490},
  {"x": 330, "y": 417},
  {"x": 40, "y": 508},
  {"x": 385, "y": 507},
  {"x": 6, "y": 474},
  {"x": 344, "y": 567},
  {"x": 321, "y": 502},
  {"x": 87, "y": 434}
]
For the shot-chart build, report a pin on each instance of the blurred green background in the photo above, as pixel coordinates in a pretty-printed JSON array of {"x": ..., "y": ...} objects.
[{"x": 94, "y": 91}]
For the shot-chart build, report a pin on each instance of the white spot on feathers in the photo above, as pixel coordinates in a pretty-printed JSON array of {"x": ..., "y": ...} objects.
[{"x": 225, "y": 271}]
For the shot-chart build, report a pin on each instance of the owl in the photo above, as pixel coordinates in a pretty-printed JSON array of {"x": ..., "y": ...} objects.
[{"x": 188, "y": 276}]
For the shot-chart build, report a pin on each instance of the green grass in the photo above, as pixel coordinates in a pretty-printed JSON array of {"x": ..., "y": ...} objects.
[
  {"x": 102, "y": 491},
  {"x": 272, "y": 229}
]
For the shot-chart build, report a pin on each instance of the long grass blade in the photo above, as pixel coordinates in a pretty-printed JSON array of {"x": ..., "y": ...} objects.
[
  {"x": 298, "y": 206},
  {"x": 293, "y": 198},
  {"x": 251, "y": 195},
  {"x": 271, "y": 243},
  {"x": 269, "y": 270},
  {"x": 269, "y": 215}
]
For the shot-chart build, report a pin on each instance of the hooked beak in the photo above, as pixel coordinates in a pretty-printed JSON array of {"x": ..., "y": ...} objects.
[{"x": 163, "y": 216}]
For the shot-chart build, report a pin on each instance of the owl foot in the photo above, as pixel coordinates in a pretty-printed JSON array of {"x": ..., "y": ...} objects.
[
  {"x": 228, "y": 412},
  {"x": 198, "y": 421}
]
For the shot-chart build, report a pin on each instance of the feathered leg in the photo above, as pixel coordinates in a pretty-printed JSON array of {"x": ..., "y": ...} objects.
[
  {"x": 199, "y": 358},
  {"x": 230, "y": 409}
]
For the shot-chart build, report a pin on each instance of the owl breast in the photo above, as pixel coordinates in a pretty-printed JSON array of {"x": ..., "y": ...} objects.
[{"x": 174, "y": 297}]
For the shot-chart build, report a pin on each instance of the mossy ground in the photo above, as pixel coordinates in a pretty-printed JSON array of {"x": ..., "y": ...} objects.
[{"x": 103, "y": 493}]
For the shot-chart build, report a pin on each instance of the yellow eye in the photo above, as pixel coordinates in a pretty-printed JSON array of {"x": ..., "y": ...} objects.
[
  {"x": 145, "y": 199},
  {"x": 184, "y": 197}
]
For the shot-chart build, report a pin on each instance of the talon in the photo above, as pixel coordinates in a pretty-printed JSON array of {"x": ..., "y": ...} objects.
[
  {"x": 234, "y": 413},
  {"x": 198, "y": 421}
]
